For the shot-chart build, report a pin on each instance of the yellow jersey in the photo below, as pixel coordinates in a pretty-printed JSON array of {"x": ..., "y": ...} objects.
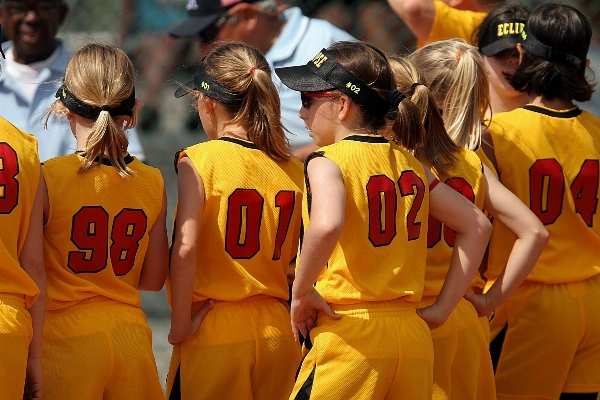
[
  {"x": 550, "y": 159},
  {"x": 96, "y": 235},
  {"x": 250, "y": 224},
  {"x": 381, "y": 252},
  {"x": 466, "y": 177},
  {"x": 19, "y": 178},
  {"x": 451, "y": 23}
]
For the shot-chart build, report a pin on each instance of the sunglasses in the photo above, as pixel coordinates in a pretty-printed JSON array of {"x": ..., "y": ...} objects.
[
  {"x": 307, "y": 98},
  {"x": 209, "y": 34}
]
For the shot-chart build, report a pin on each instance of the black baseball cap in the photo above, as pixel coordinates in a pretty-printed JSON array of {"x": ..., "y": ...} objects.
[
  {"x": 501, "y": 35},
  {"x": 322, "y": 73},
  {"x": 201, "y": 14}
]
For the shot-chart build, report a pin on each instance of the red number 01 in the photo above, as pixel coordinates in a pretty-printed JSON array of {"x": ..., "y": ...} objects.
[
  {"x": 434, "y": 230},
  {"x": 9, "y": 186},
  {"x": 90, "y": 234},
  {"x": 244, "y": 216},
  {"x": 382, "y": 199},
  {"x": 584, "y": 190}
]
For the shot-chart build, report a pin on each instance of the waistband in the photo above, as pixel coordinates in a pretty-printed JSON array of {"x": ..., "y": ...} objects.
[
  {"x": 374, "y": 307},
  {"x": 10, "y": 299},
  {"x": 249, "y": 302},
  {"x": 91, "y": 302}
]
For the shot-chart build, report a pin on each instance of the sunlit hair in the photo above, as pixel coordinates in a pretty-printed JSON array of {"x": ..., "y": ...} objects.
[
  {"x": 458, "y": 78},
  {"x": 232, "y": 65},
  {"x": 371, "y": 66},
  {"x": 101, "y": 74},
  {"x": 439, "y": 148},
  {"x": 566, "y": 30}
]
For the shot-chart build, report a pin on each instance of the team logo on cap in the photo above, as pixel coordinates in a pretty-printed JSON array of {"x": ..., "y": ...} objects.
[
  {"x": 192, "y": 5},
  {"x": 510, "y": 28},
  {"x": 319, "y": 59}
]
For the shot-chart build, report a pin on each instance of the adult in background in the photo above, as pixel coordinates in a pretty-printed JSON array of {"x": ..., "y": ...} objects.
[
  {"x": 285, "y": 37},
  {"x": 33, "y": 70},
  {"x": 432, "y": 20}
]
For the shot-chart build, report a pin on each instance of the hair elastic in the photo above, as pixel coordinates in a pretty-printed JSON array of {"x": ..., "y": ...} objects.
[
  {"x": 252, "y": 68},
  {"x": 458, "y": 53},
  {"x": 395, "y": 97},
  {"x": 414, "y": 86},
  {"x": 86, "y": 110}
]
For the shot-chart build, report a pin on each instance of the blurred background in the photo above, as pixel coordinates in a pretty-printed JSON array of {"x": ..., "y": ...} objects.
[{"x": 166, "y": 124}]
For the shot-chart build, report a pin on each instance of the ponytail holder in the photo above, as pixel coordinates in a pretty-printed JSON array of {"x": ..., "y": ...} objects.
[
  {"x": 252, "y": 68},
  {"x": 105, "y": 107},
  {"x": 458, "y": 53},
  {"x": 395, "y": 98},
  {"x": 413, "y": 86}
]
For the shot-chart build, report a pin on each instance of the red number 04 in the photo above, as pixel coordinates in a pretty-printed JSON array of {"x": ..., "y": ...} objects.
[
  {"x": 9, "y": 186},
  {"x": 90, "y": 234},
  {"x": 434, "y": 230},
  {"x": 244, "y": 216},
  {"x": 584, "y": 190},
  {"x": 382, "y": 199}
]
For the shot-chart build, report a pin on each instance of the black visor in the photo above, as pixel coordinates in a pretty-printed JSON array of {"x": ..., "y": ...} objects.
[
  {"x": 545, "y": 52},
  {"x": 501, "y": 35},
  {"x": 211, "y": 88},
  {"x": 323, "y": 72},
  {"x": 90, "y": 111}
]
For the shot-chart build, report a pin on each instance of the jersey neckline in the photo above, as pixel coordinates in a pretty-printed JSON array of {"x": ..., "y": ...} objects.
[
  {"x": 241, "y": 142},
  {"x": 367, "y": 138},
  {"x": 570, "y": 113},
  {"x": 105, "y": 161}
]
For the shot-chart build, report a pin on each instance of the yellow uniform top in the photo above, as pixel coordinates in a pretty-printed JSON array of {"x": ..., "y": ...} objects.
[
  {"x": 381, "y": 252},
  {"x": 250, "y": 224},
  {"x": 451, "y": 23},
  {"x": 549, "y": 159},
  {"x": 96, "y": 236},
  {"x": 19, "y": 178},
  {"x": 466, "y": 177}
]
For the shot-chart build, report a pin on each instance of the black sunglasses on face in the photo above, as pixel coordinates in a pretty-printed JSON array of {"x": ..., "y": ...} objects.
[
  {"x": 17, "y": 8},
  {"x": 307, "y": 98}
]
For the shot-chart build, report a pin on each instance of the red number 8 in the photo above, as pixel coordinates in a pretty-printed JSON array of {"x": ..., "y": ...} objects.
[
  {"x": 90, "y": 234},
  {"x": 9, "y": 186}
]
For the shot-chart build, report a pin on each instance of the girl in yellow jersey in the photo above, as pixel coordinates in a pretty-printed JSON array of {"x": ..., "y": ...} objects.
[
  {"x": 548, "y": 153},
  {"x": 368, "y": 200},
  {"x": 462, "y": 365},
  {"x": 104, "y": 239},
  {"x": 23, "y": 280},
  {"x": 236, "y": 232}
]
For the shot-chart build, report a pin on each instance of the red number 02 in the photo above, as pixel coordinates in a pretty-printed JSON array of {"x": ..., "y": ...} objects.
[
  {"x": 89, "y": 233},
  {"x": 9, "y": 186},
  {"x": 382, "y": 200},
  {"x": 244, "y": 216},
  {"x": 584, "y": 190},
  {"x": 434, "y": 230}
]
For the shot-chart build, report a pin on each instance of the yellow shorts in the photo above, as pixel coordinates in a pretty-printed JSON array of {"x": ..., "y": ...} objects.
[
  {"x": 462, "y": 367},
  {"x": 99, "y": 349},
  {"x": 15, "y": 334},
  {"x": 376, "y": 350},
  {"x": 552, "y": 343},
  {"x": 243, "y": 350}
]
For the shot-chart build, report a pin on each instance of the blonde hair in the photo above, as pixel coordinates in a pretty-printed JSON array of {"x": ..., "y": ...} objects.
[
  {"x": 439, "y": 148},
  {"x": 244, "y": 70},
  {"x": 101, "y": 74},
  {"x": 456, "y": 74}
]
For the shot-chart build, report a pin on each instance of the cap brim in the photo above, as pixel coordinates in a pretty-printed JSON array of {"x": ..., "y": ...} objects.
[
  {"x": 300, "y": 78},
  {"x": 499, "y": 45},
  {"x": 193, "y": 25},
  {"x": 185, "y": 89}
]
